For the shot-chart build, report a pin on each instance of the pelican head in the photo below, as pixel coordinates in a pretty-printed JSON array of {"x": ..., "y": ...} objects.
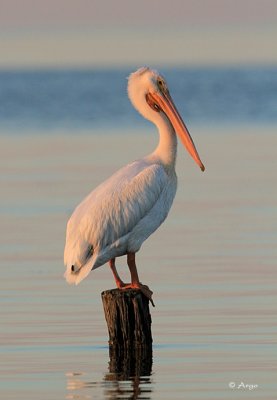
[{"x": 149, "y": 94}]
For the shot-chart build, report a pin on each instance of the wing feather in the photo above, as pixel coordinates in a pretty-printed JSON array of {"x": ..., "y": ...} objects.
[{"x": 112, "y": 211}]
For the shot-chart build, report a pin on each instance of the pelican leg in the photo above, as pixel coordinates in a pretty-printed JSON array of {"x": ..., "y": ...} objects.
[
  {"x": 119, "y": 283},
  {"x": 131, "y": 261},
  {"x": 135, "y": 283}
]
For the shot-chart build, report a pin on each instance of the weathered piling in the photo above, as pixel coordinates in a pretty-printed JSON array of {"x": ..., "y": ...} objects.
[
  {"x": 128, "y": 319},
  {"x": 130, "y": 339},
  {"x": 126, "y": 362}
]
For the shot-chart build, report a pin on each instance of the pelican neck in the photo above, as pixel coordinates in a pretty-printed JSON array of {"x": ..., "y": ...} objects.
[{"x": 166, "y": 149}]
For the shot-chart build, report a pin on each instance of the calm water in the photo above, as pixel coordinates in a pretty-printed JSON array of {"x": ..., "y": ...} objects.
[
  {"x": 51, "y": 100},
  {"x": 212, "y": 265}
]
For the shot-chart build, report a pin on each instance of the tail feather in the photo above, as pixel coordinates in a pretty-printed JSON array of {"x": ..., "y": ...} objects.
[{"x": 75, "y": 277}]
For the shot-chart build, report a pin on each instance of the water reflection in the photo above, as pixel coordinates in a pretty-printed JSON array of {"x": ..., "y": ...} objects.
[
  {"x": 128, "y": 377},
  {"x": 130, "y": 371}
]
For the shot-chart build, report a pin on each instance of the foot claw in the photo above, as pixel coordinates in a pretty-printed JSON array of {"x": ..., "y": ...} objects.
[
  {"x": 122, "y": 285},
  {"x": 147, "y": 292},
  {"x": 144, "y": 288}
]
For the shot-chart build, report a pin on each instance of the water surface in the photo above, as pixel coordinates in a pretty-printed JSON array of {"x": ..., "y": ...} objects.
[
  {"x": 53, "y": 100},
  {"x": 212, "y": 267}
]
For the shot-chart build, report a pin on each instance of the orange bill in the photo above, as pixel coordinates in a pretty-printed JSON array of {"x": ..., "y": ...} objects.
[{"x": 166, "y": 104}]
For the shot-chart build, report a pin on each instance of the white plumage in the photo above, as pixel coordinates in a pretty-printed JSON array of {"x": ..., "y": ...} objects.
[
  {"x": 121, "y": 213},
  {"x": 118, "y": 216}
]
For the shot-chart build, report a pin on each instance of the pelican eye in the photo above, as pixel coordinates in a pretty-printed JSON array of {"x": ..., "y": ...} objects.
[{"x": 161, "y": 84}]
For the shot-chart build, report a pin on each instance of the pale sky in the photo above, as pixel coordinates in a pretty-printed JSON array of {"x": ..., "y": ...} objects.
[{"x": 60, "y": 33}]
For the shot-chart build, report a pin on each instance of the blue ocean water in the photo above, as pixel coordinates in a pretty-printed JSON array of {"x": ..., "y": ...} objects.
[{"x": 87, "y": 99}]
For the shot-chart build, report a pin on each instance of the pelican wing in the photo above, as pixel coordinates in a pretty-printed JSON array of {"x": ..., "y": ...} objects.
[{"x": 109, "y": 214}]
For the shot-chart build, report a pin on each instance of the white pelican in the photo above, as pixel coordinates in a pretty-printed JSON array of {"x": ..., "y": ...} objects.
[{"x": 116, "y": 218}]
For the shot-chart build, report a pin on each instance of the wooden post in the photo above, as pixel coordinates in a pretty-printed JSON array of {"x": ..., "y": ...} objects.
[
  {"x": 130, "y": 339},
  {"x": 130, "y": 362},
  {"x": 128, "y": 318}
]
